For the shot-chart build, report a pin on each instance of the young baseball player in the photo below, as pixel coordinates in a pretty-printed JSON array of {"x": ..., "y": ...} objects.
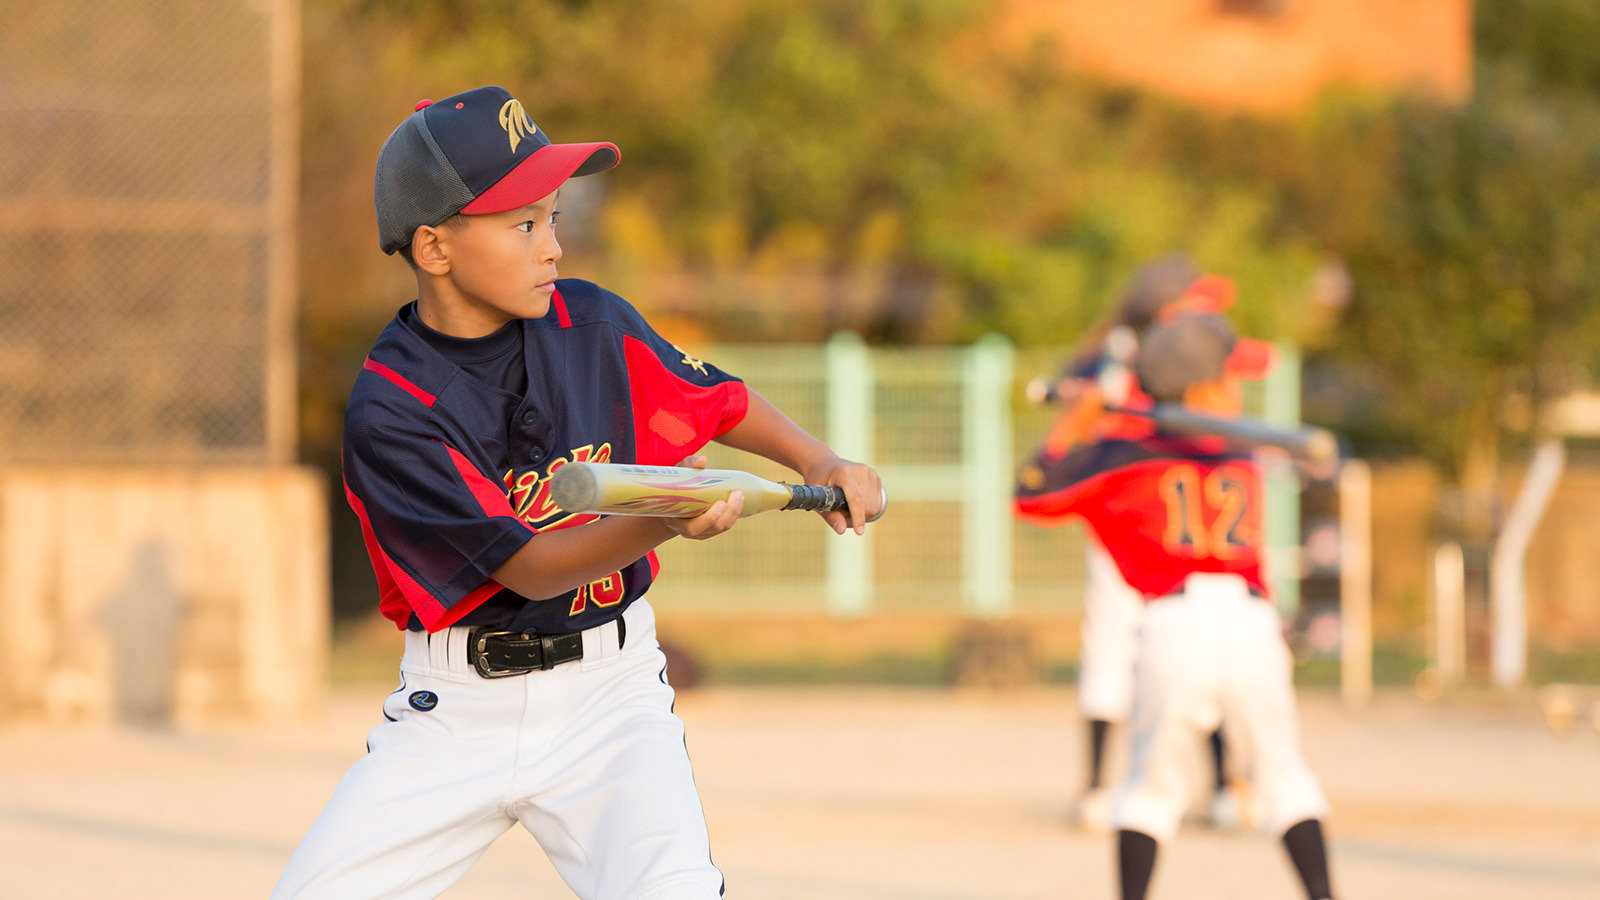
[
  {"x": 1097, "y": 376},
  {"x": 1181, "y": 517},
  {"x": 532, "y": 691}
]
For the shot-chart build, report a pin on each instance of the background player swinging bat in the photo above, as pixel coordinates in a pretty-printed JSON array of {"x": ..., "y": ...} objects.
[
  {"x": 1307, "y": 442},
  {"x": 675, "y": 492}
]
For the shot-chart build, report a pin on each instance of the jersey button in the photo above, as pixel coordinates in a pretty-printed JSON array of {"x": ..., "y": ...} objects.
[
  {"x": 536, "y": 455},
  {"x": 529, "y": 417}
]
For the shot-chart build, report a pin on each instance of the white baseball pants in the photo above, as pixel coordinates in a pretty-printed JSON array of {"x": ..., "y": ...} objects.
[
  {"x": 1110, "y": 629},
  {"x": 587, "y": 756},
  {"x": 1214, "y": 652}
]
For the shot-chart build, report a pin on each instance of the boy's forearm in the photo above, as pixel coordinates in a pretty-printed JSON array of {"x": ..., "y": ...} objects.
[
  {"x": 554, "y": 562},
  {"x": 766, "y": 431}
]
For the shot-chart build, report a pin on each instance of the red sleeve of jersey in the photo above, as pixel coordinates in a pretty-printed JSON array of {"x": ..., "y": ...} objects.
[{"x": 676, "y": 413}]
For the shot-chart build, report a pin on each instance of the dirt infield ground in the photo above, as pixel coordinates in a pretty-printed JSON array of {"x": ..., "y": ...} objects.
[{"x": 846, "y": 794}]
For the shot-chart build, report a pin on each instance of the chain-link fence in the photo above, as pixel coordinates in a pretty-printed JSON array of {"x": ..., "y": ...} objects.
[{"x": 147, "y": 193}]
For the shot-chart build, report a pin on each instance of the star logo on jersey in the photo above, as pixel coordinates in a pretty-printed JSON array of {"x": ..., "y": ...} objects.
[
  {"x": 690, "y": 361},
  {"x": 514, "y": 119}
]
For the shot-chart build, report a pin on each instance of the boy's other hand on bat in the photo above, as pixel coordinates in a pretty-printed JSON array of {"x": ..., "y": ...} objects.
[{"x": 861, "y": 486}]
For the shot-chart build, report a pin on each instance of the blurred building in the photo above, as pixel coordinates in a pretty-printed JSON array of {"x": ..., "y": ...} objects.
[{"x": 1261, "y": 55}]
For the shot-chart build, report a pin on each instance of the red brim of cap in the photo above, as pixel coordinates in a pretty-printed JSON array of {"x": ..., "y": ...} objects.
[
  {"x": 539, "y": 175},
  {"x": 1251, "y": 359},
  {"x": 1208, "y": 294}
]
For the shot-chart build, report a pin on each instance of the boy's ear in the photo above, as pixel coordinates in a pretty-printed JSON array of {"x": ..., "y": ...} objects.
[{"x": 428, "y": 250}]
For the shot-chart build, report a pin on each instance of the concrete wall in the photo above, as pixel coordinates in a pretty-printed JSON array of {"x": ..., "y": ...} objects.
[{"x": 163, "y": 596}]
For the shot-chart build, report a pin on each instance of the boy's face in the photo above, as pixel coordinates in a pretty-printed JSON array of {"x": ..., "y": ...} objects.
[{"x": 503, "y": 265}]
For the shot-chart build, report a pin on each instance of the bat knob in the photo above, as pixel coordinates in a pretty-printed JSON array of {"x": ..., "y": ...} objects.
[
  {"x": 1322, "y": 446},
  {"x": 883, "y": 504}
]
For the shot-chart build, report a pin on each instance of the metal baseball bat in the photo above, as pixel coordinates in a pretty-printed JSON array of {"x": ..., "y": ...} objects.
[
  {"x": 1308, "y": 442},
  {"x": 674, "y": 492}
]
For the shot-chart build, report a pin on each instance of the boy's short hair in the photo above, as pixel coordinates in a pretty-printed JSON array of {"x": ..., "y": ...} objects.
[
  {"x": 1181, "y": 353},
  {"x": 475, "y": 153}
]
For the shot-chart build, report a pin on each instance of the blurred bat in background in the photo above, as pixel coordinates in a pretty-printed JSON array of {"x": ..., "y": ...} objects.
[{"x": 1305, "y": 442}]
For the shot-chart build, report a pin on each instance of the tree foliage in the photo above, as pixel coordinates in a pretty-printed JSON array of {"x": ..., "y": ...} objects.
[
  {"x": 886, "y": 166},
  {"x": 1479, "y": 284},
  {"x": 940, "y": 187},
  {"x": 1548, "y": 42}
]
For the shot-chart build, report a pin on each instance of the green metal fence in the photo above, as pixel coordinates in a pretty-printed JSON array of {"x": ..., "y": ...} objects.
[{"x": 946, "y": 428}]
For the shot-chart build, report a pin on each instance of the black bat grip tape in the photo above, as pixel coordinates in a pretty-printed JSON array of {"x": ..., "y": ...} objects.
[{"x": 815, "y": 496}]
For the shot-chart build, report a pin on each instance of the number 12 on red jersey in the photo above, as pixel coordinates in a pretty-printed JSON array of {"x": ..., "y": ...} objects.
[{"x": 1210, "y": 513}]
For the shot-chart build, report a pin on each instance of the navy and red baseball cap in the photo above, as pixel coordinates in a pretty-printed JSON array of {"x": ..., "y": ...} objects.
[
  {"x": 1213, "y": 295},
  {"x": 475, "y": 153}
]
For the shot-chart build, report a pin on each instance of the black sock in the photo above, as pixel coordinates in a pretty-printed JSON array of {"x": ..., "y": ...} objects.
[
  {"x": 1309, "y": 853},
  {"x": 1136, "y": 860},
  {"x": 1219, "y": 758},
  {"x": 1097, "y": 749}
]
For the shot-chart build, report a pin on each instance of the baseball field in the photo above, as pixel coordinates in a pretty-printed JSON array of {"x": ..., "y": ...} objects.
[{"x": 848, "y": 793}]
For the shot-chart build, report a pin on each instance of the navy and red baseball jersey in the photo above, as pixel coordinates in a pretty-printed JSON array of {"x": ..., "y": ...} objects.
[
  {"x": 1164, "y": 507},
  {"x": 450, "y": 475}
]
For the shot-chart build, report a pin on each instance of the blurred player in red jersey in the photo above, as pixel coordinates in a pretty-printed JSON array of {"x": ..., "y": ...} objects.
[
  {"x": 1181, "y": 518},
  {"x": 1097, "y": 377}
]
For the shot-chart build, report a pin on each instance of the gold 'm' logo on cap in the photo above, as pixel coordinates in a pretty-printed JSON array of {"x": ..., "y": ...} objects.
[{"x": 514, "y": 119}]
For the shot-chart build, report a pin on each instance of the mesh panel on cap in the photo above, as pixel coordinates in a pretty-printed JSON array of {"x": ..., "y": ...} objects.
[{"x": 414, "y": 185}]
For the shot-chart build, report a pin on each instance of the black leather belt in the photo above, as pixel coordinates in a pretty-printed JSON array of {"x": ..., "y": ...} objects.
[{"x": 500, "y": 654}]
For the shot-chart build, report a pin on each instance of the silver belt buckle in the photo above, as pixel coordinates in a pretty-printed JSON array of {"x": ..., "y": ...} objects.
[{"x": 480, "y": 660}]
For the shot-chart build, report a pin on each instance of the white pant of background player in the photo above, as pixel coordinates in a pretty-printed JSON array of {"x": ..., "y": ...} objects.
[
  {"x": 1210, "y": 653},
  {"x": 1109, "y": 634},
  {"x": 587, "y": 756}
]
